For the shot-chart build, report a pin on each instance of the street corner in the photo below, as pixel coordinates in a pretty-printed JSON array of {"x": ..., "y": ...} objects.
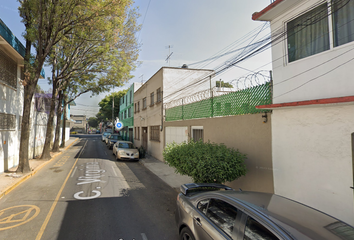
[{"x": 16, "y": 216}]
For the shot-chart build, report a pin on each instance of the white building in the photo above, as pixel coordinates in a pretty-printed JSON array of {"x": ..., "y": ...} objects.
[
  {"x": 11, "y": 97},
  {"x": 313, "y": 102}
]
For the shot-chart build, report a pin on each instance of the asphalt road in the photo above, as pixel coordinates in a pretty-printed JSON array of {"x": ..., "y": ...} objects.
[{"x": 86, "y": 194}]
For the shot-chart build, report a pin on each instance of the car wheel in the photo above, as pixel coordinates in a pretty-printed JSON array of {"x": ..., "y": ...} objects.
[{"x": 186, "y": 234}]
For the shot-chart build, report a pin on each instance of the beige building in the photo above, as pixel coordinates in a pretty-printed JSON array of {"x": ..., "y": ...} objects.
[
  {"x": 149, "y": 103},
  {"x": 80, "y": 123}
]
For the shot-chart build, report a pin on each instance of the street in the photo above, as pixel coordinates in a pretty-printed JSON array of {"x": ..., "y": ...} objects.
[{"x": 85, "y": 193}]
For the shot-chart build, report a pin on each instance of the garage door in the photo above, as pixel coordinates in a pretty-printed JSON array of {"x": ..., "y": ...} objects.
[{"x": 176, "y": 134}]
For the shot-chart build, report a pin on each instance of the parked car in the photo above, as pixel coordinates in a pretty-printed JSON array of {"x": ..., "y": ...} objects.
[
  {"x": 112, "y": 139},
  {"x": 125, "y": 150},
  {"x": 105, "y": 135},
  {"x": 206, "y": 212}
]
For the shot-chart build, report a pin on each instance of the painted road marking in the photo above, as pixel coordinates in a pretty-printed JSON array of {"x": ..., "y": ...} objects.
[
  {"x": 73, "y": 172},
  {"x": 144, "y": 236},
  {"x": 114, "y": 171},
  {"x": 15, "y": 216},
  {"x": 44, "y": 225},
  {"x": 61, "y": 161}
]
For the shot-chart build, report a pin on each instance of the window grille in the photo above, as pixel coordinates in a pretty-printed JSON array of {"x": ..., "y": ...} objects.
[
  {"x": 198, "y": 134},
  {"x": 7, "y": 121},
  {"x": 8, "y": 70},
  {"x": 144, "y": 103},
  {"x": 159, "y": 95},
  {"x": 152, "y": 96},
  {"x": 155, "y": 133}
]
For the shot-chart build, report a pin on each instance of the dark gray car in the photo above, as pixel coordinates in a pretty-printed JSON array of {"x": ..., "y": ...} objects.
[{"x": 215, "y": 211}]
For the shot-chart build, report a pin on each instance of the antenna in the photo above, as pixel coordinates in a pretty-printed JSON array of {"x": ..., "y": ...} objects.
[
  {"x": 142, "y": 78},
  {"x": 169, "y": 54}
]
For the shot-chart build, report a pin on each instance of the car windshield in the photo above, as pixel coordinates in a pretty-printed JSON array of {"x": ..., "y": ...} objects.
[
  {"x": 116, "y": 137},
  {"x": 105, "y": 134},
  {"x": 126, "y": 145}
]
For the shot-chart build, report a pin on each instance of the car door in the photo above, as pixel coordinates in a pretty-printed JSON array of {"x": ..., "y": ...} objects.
[{"x": 216, "y": 219}]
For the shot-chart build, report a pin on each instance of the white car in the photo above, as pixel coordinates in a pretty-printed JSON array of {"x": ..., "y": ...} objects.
[
  {"x": 125, "y": 150},
  {"x": 105, "y": 135}
]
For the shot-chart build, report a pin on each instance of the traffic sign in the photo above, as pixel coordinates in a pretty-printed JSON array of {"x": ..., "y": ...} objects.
[{"x": 119, "y": 125}]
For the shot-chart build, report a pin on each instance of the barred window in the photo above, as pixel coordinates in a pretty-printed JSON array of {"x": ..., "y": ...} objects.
[
  {"x": 7, "y": 121},
  {"x": 129, "y": 112},
  {"x": 8, "y": 70},
  {"x": 159, "y": 95},
  {"x": 152, "y": 96},
  {"x": 155, "y": 133},
  {"x": 144, "y": 103},
  {"x": 136, "y": 133}
]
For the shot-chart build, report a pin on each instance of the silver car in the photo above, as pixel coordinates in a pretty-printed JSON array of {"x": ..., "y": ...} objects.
[
  {"x": 105, "y": 135},
  {"x": 215, "y": 211},
  {"x": 125, "y": 150}
]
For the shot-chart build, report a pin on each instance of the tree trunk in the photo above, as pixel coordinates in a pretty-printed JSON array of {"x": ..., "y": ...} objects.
[
  {"x": 64, "y": 123},
  {"x": 49, "y": 133},
  {"x": 57, "y": 129},
  {"x": 23, "y": 165}
]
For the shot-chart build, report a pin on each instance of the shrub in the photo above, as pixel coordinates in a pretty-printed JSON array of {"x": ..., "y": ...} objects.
[{"x": 205, "y": 162}]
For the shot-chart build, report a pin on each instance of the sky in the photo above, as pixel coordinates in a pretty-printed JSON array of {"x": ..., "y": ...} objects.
[{"x": 195, "y": 30}]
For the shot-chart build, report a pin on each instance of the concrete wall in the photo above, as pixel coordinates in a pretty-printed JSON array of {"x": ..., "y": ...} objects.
[
  {"x": 313, "y": 160},
  {"x": 249, "y": 135},
  {"x": 314, "y": 77}
]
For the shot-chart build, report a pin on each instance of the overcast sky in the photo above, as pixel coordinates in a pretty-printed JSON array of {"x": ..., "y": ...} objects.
[{"x": 196, "y": 30}]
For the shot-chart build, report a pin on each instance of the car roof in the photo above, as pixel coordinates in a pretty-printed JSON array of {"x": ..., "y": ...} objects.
[
  {"x": 119, "y": 141},
  {"x": 300, "y": 221}
]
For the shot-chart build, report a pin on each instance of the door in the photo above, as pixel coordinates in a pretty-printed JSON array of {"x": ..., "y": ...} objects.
[{"x": 145, "y": 137}]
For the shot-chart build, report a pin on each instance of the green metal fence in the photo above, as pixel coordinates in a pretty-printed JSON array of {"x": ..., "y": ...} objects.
[{"x": 234, "y": 103}]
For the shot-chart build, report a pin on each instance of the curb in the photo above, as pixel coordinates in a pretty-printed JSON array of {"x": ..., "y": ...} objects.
[{"x": 28, "y": 175}]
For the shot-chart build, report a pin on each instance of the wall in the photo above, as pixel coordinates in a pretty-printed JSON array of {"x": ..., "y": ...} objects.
[
  {"x": 313, "y": 160},
  {"x": 313, "y": 77},
  {"x": 151, "y": 116},
  {"x": 249, "y": 135}
]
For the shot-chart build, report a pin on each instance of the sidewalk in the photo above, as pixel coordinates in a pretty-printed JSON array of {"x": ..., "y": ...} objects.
[
  {"x": 165, "y": 172},
  {"x": 10, "y": 179}
]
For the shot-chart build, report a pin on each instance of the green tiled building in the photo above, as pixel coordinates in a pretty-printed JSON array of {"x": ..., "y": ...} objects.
[{"x": 126, "y": 113}]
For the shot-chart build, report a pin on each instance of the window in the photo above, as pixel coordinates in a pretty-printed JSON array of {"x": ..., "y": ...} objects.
[
  {"x": 254, "y": 231},
  {"x": 129, "y": 112},
  {"x": 343, "y": 21},
  {"x": 138, "y": 106},
  {"x": 203, "y": 205},
  {"x": 130, "y": 97},
  {"x": 155, "y": 133},
  {"x": 123, "y": 99},
  {"x": 308, "y": 34},
  {"x": 135, "y": 107},
  {"x": 137, "y": 133},
  {"x": 7, "y": 121},
  {"x": 198, "y": 134},
  {"x": 8, "y": 70},
  {"x": 158, "y": 95},
  {"x": 78, "y": 121},
  {"x": 144, "y": 103},
  {"x": 222, "y": 215},
  {"x": 152, "y": 95}
]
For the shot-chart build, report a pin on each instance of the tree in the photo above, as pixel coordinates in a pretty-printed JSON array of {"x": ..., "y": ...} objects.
[
  {"x": 105, "y": 104},
  {"x": 223, "y": 84},
  {"x": 93, "y": 122},
  {"x": 46, "y": 23},
  {"x": 205, "y": 162}
]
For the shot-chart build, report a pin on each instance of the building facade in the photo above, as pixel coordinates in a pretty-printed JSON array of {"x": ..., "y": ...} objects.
[
  {"x": 313, "y": 102},
  {"x": 163, "y": 86},
  {"x": 11, "y": 97},
  {"x": 79, "y": 123},
  {"x": 126, "y": 112}
]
